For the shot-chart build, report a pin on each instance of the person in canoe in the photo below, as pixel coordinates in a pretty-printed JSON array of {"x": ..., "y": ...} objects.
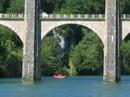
[{"x": 59, "y": 76}]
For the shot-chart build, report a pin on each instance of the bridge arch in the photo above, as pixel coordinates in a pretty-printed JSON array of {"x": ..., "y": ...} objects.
[
  {"x": 125, "y": 35},
  {"x": 125, "y": 53},
  {"x": 16, "y": 31},
  {"x": 11, "y": 66},
  {"x": 125, "y": 29},
  {"x": 76, "y": 44},
  {"x": 97, "y": 27}
]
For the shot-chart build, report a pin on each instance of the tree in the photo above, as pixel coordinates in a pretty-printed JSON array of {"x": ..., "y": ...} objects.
[
  {"x": 51, "y": 56},
  {"x": 63, "y": 6},
  {"x": 51, "y": 6},
  {"x": 83, "y": 6},
  {"x": 16, "y": 6},
  {"x": 3, "y": 5},
  {"x": 87, "y": 56},
  {"x": 125, "y": 6},
  {"x": 125, "y": 57},
  {"x": 10, "y": 52}
]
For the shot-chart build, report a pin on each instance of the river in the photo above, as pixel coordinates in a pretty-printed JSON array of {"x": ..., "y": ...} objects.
[{"x": 80, "y": 86}]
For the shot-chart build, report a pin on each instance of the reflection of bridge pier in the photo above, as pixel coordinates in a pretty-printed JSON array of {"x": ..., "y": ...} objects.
[{"x": 106, "y": 27}]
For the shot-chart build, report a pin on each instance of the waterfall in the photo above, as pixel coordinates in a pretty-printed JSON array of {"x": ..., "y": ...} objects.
[{"x": 60, "y": 39}]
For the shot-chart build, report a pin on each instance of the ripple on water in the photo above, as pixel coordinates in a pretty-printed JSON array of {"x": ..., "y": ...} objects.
[{"x": 81, "y": 86}]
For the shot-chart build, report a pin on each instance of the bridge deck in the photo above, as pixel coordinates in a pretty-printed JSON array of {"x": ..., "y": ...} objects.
[{"x": 62, "y": 16}]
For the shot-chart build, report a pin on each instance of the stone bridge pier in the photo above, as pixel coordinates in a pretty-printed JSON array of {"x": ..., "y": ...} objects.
[
  {"x": 31, "y": 50},
  {"x": 112, "y": 43}
]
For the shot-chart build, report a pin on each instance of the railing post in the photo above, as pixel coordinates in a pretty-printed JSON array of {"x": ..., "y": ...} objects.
[
  {"x": 124, "y": 16},
  {"x": 100, "y": 16},
  {"x": 86, "y": 15},
  {"x": 93, "y": 16}
]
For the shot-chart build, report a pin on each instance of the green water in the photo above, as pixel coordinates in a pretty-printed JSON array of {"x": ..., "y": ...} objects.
[{"x": 91, "y": 86}]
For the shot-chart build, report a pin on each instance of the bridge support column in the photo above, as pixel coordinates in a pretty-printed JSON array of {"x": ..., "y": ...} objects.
[
  {"x": 111, "y": 50},
  {"x": 31, "y": 57}
]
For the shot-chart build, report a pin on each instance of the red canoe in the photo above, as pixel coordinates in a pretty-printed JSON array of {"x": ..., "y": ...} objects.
[{"x": 59, "y": 76}]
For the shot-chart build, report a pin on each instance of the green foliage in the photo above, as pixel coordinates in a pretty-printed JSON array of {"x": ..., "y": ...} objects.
[
  {"x": 1, "y": 7},
  {"x": 63, "y": 6},
  {"x": 16, "y": 6},
  {"x": 125, "y": 6},
  {"x": 72, "y": 71},
  {"x": 10, "y": 52},
  {"x": 73, "y": 6},
  {"x": 4, "y": 4},
  {"x": 83, "y": 6},
  {"x": 125, "y": 57},
  {"x": 51, "y": 6},
  {"x": 88, "y": 54},
  {"x": 51, "y": 57}
]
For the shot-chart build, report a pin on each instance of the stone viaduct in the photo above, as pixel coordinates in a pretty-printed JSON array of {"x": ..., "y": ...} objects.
[{"x": 111, "y": 28}]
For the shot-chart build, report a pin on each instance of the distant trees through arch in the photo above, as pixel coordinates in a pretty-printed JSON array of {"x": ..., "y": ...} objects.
[
  {"x": 10, "y": 53},
  {"x": 72, "y": 50}
]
